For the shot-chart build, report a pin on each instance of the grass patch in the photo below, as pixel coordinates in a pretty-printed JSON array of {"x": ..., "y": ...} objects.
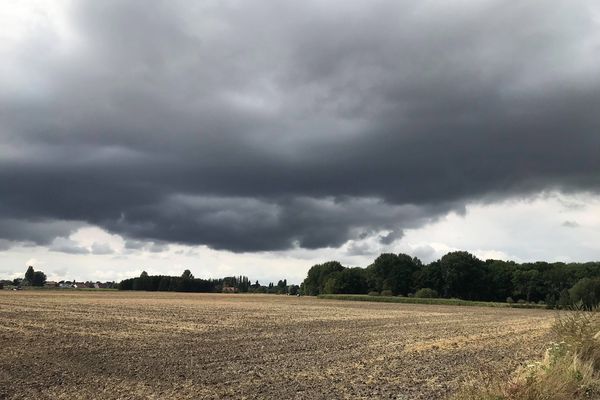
[
  {"x": 416, "y": 300},
  {"x": 569, "y": 370}
]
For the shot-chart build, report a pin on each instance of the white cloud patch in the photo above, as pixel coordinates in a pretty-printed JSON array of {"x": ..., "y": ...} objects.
[{"x": 524, "y": 229}]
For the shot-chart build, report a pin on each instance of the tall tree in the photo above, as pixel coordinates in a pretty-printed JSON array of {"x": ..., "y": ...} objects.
[
  {"x": 39, "y": 278},
  {"x": 314, "y": 283},
  {"x": 462, "y": 275},
  {"x": 29, "y": 274},
  {"x": 392, "y": 272}
]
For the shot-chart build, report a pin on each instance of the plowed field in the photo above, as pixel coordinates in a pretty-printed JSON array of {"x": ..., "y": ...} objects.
[{"x": 139, "y": 345}]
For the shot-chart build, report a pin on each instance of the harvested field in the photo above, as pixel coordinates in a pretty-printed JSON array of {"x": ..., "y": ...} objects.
[{"x": 134, "y": 345}]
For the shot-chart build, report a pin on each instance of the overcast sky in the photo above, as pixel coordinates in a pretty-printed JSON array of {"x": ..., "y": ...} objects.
[{"x": 261, "y": 137}]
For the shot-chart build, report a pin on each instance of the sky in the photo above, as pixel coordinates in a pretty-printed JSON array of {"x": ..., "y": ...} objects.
[{"x": 261, "y": 137}]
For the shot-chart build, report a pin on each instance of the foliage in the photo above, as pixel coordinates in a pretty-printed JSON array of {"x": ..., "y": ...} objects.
[
  {"x": 461, "y": 275},
  {"x": 184, "y": 283},
  {"x": 32, "y": 278},
  {"x": 39, "y": 279},
  {"x": 187, "y": 283},
  {"x": 587, "y": 292},
  {"x": 314, "y": 283},
  {"x": 426, "y": 293},
  {"x": 29, "y": 275},
  {"x": 392, "y": 272},
  {"x": 349, "y": 280}
]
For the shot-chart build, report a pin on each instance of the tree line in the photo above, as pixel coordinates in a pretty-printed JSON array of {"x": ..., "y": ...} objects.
[
  {"x": 188, "y": 283},
  {"x": 461, "y": 275},
  {"x": 31, "y": 278}
]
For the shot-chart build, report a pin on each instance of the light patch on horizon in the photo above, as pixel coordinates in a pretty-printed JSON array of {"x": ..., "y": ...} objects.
[{"x": 530, "y": 229}]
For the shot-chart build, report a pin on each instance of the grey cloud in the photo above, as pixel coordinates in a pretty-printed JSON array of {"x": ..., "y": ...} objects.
[
  {"x": 424, "y": 252},
  {"x": 101, "y": 249},
  {"x": 38, "y": 231},
  {"x": 269, "y": 125},
  {"x": 157, "y": 247},
  {"x": 5, "y": 244},
  {"x": 66, "y": 245}
]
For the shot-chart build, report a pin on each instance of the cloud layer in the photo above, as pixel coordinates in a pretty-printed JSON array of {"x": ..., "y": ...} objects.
[{"x": 252, "y": 126}]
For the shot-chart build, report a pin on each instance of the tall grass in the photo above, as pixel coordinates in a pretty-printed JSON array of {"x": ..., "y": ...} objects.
[
  {"x": 569, "y": 370},
  {"x": 419, "y": 300}
]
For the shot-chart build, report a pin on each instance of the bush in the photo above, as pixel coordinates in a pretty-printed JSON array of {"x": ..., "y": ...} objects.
[
  {"x": 387, "y": 293},
  {"x": 564, "y": 300},
  {"x": 373, "y": 293},
  {"x": 509, "y": 300},
  {"x": 426, "y": 293},
  {"x": 587, "y": 292}
]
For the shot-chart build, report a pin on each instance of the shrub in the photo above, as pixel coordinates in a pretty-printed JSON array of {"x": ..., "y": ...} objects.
[
  {"x": 373, "y": 293},
  {"x": 586, "y": 291},
  {"x": 426, "y": 293},
  {"x": 387, "y": 293},
  {"x": 509, "y": 300},
  {"x": 564, "y": 300}
]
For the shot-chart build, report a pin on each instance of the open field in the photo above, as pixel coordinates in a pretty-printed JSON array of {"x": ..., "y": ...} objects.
[{"x": 133, "y": 345}]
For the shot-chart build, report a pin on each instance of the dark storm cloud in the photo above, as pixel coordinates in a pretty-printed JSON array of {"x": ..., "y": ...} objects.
[{"x": 266, "y": 125}]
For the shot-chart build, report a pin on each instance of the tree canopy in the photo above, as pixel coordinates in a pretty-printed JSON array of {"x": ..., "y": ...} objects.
[{"x": 460, "y": 274}]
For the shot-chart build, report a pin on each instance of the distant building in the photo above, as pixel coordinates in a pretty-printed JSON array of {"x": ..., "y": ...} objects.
[{"x": 230, "y": 289}]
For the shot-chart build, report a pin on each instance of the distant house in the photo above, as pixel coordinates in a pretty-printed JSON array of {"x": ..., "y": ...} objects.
[
  {"x": 100, "y": 285},
  {"x": 230, "y": 289},
  {"x": 50, "y": 284},
  {"x": 80, "y": 285}
]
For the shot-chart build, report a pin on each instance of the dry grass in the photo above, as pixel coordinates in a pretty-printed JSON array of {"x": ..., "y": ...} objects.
[
  {"x": 570, "y": 369},
  {"x": 134, "y": 345}
]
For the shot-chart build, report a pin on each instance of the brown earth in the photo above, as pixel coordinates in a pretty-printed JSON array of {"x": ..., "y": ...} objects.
[{"x": 139, "y": 345}]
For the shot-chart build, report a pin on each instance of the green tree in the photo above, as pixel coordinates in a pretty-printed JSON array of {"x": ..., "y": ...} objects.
[
  {"x": 527, "y": 284},
  {"x": 187, "y": 274},
  {"x": 462, "y": 275},
  {"x": 164, "y": 283},
  {"x": 498, "y": 280},
  {"x": 429, "y": 276},
  {"x": 39, "y": 278},
  {"x": 314, "y": 283},
  {"x": 586, "y": 291},
  {"x": 392, "y": 272},
  {"x": 564, "y": 300},
  {"x": 347, "y": 281},
  {"x": 29, "y": 275}
]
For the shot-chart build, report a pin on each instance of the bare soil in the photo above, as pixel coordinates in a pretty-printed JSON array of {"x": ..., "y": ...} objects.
[{"x": 141, "y": 345}]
